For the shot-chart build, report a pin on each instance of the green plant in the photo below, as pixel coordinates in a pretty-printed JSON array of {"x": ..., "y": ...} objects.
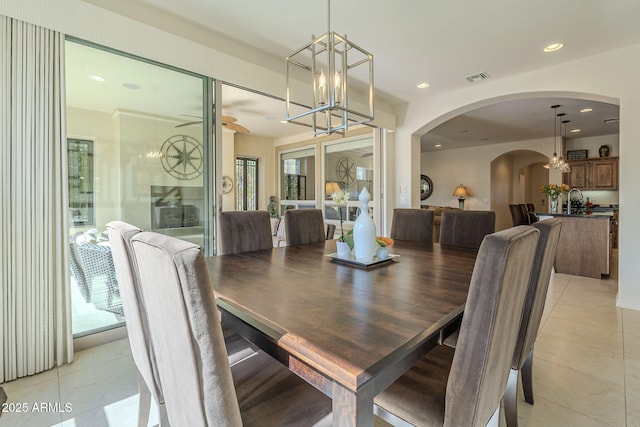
[{"x": 272, "y": 206}]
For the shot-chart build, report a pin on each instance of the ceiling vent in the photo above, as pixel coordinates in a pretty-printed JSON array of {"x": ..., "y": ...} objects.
[
  {"x": 612, "y": 120},
  {"x": 478, "y": 77}
]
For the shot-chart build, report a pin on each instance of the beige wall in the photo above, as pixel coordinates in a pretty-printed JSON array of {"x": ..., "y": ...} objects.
[{"x": 608, "y": 77}]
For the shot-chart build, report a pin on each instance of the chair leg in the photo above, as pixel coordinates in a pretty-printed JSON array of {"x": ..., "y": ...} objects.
[
  {"x": 144, "y": 405},
  {"x": 164, "y": 418},
  {"x": 510, "y": 399},
  {"x": 527, "y": 378}
]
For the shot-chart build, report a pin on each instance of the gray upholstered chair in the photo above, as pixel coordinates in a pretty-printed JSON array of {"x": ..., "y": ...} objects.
[
  {"x": 304, "y": 226},
  {"x": 412, "y": 224},
  {"x": 532, "y": 314},
  {"x": 120, "y": 234},
  {"x": 465, "y": 387},
  {"x": 200, "y": 387},
  {"x": 466, "y": 228},
  {"x": 245, "y": 231}
]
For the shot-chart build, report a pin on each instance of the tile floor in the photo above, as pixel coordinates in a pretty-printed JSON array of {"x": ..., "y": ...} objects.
[{"x": 586, "y": 370}]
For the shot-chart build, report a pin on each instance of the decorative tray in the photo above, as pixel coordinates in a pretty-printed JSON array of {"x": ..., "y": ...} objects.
[{"x": 352, "y": 261}]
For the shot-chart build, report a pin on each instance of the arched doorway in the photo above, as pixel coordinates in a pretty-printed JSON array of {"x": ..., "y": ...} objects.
[{"x": 516, "y": 177}]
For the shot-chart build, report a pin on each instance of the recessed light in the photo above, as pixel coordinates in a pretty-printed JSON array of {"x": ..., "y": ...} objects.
[
  {"x": 438, "y": 145},
  {"x": 423, "y": 85},
  {"x": 97, "y": 78},
  {"x": 586, "y": 110},
  {"x": 576, "y": 130},
  {"x": 553, "y": 47},
  {"x": 131, "y": 86}
]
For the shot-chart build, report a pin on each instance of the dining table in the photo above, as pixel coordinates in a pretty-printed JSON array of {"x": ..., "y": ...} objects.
[{"x": 349, "y": 330}]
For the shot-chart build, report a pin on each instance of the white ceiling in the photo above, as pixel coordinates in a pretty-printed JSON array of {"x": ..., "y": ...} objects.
[{"x": 412, "y": 41}]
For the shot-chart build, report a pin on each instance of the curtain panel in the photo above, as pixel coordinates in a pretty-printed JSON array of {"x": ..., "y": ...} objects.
[{"x": 35, "y": 318}]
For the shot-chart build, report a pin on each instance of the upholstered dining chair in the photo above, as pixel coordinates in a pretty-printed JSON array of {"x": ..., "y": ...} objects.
[
  {"x": 412, "y": 224},
  {"x": 245, "y": 231},
  {"x": 304, "y": 226},
  {"x": 200, "y": 387},
  {"x": 531, "y": 317},
  {"x": 517, "y": 217},
  {"x": 465, "y": 387},
  {"x": 466, "y": 228},
  {"x": 120, "y": 234},
  {"x": 331, "y": 230}
]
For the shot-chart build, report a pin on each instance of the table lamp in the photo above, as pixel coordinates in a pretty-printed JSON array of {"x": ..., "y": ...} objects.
[{"x": 461, "y": 192}]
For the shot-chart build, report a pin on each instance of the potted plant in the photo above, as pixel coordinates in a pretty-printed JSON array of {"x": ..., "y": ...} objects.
[
  {"x": 341, "y": 198},
  {"x": 554, "y": 191}
]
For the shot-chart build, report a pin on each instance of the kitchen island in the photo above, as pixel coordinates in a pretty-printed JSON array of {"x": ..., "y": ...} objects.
[{"x": 584, "y": 248}]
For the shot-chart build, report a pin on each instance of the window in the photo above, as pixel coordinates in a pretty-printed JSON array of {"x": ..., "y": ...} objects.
[
  {"x": 80, "y": 161},
  {"x": 348, "y": 166},
  {"x": 247, "y": 184},
  {"x": 297, "y": 185}
]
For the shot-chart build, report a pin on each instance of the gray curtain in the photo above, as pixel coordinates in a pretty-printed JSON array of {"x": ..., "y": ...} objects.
[{"x": 35, "y": 315}]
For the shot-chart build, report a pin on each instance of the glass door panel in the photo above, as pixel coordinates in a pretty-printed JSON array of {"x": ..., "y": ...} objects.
[{"x": 145, "y": 125}]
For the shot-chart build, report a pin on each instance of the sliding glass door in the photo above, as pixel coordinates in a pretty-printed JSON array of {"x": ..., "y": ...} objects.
[{"x": 139, "y": 141}]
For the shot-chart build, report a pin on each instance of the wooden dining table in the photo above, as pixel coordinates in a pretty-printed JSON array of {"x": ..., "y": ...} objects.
[{"x": 349, "y": 331}]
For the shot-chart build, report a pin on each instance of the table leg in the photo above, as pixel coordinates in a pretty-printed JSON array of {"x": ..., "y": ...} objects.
[{"x": 351, "y": 409}]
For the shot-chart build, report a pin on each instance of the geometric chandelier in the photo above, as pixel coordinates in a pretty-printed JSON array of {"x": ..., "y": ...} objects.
[{"x": 329, "y": 65}]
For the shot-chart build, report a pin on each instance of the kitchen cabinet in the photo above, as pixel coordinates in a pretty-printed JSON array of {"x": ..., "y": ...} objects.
[{"x": 593, "y": 174}]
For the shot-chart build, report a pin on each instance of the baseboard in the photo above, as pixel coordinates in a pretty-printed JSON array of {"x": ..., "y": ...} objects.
[{"x": 628, "y": 304}]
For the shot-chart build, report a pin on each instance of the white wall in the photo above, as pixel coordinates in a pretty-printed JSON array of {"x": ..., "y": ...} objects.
[{"x": 608, "y": 77}]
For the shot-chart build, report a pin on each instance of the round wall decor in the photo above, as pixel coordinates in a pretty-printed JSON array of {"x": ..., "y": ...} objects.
[
  {"x": 227, "y": 184},
  {"x": 426, "y": 187},
  {"x": 346, "y": 171},
  {"x": 182, "y": 157}
]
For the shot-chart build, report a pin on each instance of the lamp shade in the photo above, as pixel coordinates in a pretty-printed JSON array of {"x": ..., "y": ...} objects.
[
  {"x": 461, "y": 192},
  {"x": 331, "y": 187}
]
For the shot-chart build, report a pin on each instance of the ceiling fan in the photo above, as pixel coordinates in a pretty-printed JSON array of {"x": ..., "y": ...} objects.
[{"x": 227, "y": 121}]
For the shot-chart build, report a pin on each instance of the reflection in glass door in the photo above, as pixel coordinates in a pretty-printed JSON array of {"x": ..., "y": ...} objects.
[{"x": 148, "y": 129}]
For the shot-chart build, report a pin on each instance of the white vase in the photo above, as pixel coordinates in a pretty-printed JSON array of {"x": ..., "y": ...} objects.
[
  {"x": 364, "y": 231},
  {"x": 343, "y": 250}
]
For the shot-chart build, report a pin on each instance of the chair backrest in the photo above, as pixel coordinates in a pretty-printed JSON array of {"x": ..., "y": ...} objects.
[
  {"x": 120, "y": 234},
  {"x": 517, "y": 217},
  {"x": 466, "y": 228},
  {"x": 530, "y": 207},
  {"x": 100, "y": 277},
  {"x": 331, "y": 230},
  {"x": 76, "y": 268},
  {"x": 185, "y": 331},
  {"x": 490, "y": 325},
  {"x": 412, "y": 224},
  {"x": 245, "y": 231},
  {"x": 537, "y": 290},
  {"x": 304, "y": 226}
]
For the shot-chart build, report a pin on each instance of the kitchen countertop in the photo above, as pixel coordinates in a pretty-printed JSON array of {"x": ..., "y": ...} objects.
[{"x": 598, "y": 215}]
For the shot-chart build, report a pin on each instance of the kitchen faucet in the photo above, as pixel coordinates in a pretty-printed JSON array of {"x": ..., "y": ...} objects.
[{"x": 569, "y": 198}]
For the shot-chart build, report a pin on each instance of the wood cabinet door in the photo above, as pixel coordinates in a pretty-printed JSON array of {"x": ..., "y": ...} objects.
[
  {"x": 579, "y": 175},
  {"x": 604, "y": 174}
]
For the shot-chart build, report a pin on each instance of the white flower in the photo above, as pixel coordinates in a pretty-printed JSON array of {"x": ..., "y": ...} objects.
[{"x": 340, "y": 198}]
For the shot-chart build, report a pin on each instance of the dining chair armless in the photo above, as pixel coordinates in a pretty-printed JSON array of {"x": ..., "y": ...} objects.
[
  {"x": 466, "y": 228},
  {"x": 245, "y": 231},
  {"x": 120, "y": 234},
  {"x": 331, "y": 230},
  {"x": 200, "y": 387},
  {"x": 465, "y": 387},
  {"x": 412, "y": 224},
  {"x": 531, "y": 317},
  {"x": 304, "y": 226}
]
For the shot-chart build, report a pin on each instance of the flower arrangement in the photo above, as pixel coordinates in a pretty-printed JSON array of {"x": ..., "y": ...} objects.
[
  {"x": 554, "y": 190},
  {"x": 340, "y": 198},
  {"x": 384, "y": 241}
]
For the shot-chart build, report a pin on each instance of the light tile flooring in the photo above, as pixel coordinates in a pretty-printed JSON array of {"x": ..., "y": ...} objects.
[{"x": 586, "y": 370}]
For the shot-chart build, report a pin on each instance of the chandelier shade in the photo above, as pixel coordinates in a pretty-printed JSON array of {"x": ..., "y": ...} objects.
[{"x": 329, "y": 84}]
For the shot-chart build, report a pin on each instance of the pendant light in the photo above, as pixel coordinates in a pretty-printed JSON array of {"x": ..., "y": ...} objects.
[
  {"x": 553, "y": 162},
  {"x": 565, "y": 166},
  {"x": 320, "y": 76},
  {"x": 561, "y": 163}
]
